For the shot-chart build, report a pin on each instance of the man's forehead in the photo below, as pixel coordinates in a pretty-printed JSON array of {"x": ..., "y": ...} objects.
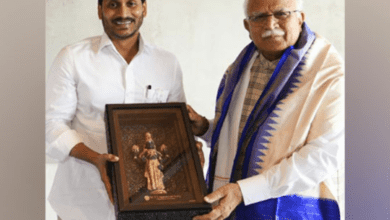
[
  {"x": 122, "y": 0},
  {"x": 261, "y": 6}
]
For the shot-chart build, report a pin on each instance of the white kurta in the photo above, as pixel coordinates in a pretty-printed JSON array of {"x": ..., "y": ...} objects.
[{"x": 84, "y": 78}]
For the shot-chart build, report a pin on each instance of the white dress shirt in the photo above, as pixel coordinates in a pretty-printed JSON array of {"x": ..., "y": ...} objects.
[{"x": 84, "y": 78}]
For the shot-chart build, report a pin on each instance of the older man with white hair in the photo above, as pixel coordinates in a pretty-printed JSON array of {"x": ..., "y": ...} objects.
[{"x": 277, "y": 138}]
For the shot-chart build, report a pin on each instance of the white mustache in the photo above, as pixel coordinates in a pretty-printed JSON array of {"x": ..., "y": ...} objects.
[{"x": 274, "y": 32}]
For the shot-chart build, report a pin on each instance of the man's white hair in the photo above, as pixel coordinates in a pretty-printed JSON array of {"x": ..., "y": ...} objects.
[{"x": 299, "y": 6}]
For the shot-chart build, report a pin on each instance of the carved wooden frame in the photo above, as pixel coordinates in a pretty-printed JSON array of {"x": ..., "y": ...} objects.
[{"x": 169, "y": 125}]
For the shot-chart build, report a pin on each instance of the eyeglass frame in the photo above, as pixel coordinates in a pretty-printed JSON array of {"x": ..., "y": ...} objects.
[{"x": 264, "y": 16}]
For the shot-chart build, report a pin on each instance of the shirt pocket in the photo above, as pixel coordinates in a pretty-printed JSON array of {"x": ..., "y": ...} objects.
[{"x": 156, "y": 95}]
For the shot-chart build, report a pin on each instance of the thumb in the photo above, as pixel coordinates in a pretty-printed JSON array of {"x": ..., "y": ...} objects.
[
  {"x": 191, "y": 112},
  {"x": 189, "y": 109},
  {"x": 213, "y": 197},
  {"x": 112, "y": 158}
]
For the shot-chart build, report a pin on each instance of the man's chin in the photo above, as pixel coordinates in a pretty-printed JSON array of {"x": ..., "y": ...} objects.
[{"x": 123, "y": 36}]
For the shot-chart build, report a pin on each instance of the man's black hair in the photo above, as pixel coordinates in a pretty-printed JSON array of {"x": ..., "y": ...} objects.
[{"x": 101, "y": 1}]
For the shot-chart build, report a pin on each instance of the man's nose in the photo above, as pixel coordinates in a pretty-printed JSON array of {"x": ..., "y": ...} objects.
[
  {"x": 271, "y": 22},
  {"x": 124, "y": 11}
]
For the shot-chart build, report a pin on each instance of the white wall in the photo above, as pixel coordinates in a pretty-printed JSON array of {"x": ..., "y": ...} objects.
[{"x": 205, "y": 35}]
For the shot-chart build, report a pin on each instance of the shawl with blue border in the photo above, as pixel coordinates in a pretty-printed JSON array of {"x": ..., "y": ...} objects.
[{"x": 279, "y": 86}]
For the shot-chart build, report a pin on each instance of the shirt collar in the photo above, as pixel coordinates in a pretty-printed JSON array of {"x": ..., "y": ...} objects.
[
  {"x": 105, "y": 41},
  {"x": 268, "y": 64}
]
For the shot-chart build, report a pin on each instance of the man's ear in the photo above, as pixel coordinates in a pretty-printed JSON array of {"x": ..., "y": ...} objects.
[
  {"x": 145, "y": 6},
  {"x": 100, "y": 12},
  {"x": 246, "y": 24},
  {"x": 302, "y": 18}
]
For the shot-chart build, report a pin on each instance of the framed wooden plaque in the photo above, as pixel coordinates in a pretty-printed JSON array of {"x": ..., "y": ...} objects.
[{"x": 158, "y": 175}]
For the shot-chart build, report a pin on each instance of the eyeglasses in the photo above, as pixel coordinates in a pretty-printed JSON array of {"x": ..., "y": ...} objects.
[{"x": 258, "y": 20}]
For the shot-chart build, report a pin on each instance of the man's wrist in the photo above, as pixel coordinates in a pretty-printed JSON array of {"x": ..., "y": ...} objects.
[
  {"x": 82, "y": 152},
  {"x": 205, "y": 126}
]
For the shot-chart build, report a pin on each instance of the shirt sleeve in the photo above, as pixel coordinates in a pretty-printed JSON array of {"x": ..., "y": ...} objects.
[
  {"x": 177, "y": 94},
  {"x": 209, "y": 133},
  {"x": 61, "y": 103},
  {"x": 305, "y": 169},
  {"x": 311, "y": 164}
]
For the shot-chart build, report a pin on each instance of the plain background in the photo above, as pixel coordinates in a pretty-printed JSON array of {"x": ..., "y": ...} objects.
[
  {"x": 205, "y": 35},
  {"x": 22, "y": 63}
]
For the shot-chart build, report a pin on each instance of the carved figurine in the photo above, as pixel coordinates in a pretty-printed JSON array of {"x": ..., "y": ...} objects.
[{"x": 153, "y": 168}]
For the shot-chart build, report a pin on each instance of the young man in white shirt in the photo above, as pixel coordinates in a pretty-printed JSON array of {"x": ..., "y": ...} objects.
[{"x": 117, "y": 67}]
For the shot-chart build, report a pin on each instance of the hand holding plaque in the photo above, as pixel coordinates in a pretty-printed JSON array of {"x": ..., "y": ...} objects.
[{"x": 159, "y": 173}]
